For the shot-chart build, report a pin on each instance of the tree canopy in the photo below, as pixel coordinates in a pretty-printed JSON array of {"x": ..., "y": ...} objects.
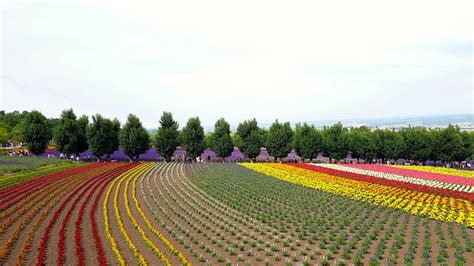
[
  {"x": 69, "y": 133},
  {"x": 221, "y": 141},
  {"x": 307, "y": 141},
  {"x": 36, "y": 133},
  {"x": 103, "y": 135},
  {"x": 252, "y": 138},
  {"x": 74, "y": 135},
  {"x": 193, "y": 137},
  {"x": 279, "y": 139},
  {"x": 134, "y": 138},
  {"x": 336, "y": 141},
  {"x": 167, "y": 136}
]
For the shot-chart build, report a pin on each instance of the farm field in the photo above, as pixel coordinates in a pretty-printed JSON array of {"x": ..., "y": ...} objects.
[{"x": 224, "y": 213}]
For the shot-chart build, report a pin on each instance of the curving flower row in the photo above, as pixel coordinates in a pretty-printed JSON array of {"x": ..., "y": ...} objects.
[
  {"x": 442, "y": 208},
  {"x": 400, "y": 178},
  {"x": 142, "y": 234},
  {"x": 139, "y": 257},
  {"x": 150, "y": 227},
  {"x": 438, "y": 170},
  {"x": 459, "y": 180}
]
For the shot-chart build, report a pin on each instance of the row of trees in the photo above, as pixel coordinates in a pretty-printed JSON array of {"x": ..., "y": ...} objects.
[{"x": 103, "y": 136}]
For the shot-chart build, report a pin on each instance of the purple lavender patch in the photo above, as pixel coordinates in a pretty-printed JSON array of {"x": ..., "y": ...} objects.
[{"x": 236, "y": 155}]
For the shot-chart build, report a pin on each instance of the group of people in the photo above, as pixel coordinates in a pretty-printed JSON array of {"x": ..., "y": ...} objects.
[
  {"x": 72, "y": 157},
  {"x": 18, "y": 153}
]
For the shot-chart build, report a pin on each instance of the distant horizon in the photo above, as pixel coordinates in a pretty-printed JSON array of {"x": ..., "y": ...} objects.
[{"x": 266, "y": 124}]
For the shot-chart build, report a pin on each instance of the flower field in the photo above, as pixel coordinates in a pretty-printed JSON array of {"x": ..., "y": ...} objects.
[
  {"x": 229, "y": 214},
  {"x": 439, "y": 170}
]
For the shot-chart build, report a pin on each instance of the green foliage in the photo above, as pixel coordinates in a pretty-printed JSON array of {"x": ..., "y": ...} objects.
[
  {"x": 279, "y": 139},
  {"x": 3, "y": 134},
  {"x": 36, "y": 133},
  {"x": 467, "y": 150},
  {"x": 167, "y": 136},
  {"x": 82, "y": 124},
  {"x": 14, "y": 122},
  {"x": 252, "y": 138},
  {"x": 414, "y": 143},
  {"x": 103, "y": 135},
  {"x": 335, "y": 141},
  {"x": 221, "y": 141},
  {"x": 393, "y": 145},
  {"x": 418, "y": 143},
  {"x": 361, "y": 144},
  {"x": 207, "y": 140},
  {"x": 237, "y": 140},
  {"x": 134, "y": 138},
  {"x": 307, "y": 141},
  {"x": 193, "y": 137},
  {"x": 69, "y": 132}
]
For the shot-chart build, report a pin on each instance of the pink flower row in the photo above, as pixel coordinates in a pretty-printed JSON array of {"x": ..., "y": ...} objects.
[{"x": 415, "y": 173}]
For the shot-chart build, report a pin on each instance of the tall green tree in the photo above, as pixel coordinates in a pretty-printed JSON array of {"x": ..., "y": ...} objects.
[
  {"x": 82, "y": 123},
  {"x": 335, "y": 141},
  {"x": 307, "y": 141},
  {"x": 252, "y": 138},
  {"x": 14, "y": 123},
  {"x": 393, "y": 145},
  {"x": 447, "y": 144},
  {"x": 279, "y": 139},
  {"x": 361, "y": 144},
  {"x": 418, "y": 143},
  {"x": 134, "y": 138},
  {"x": 103, "y": 135},
  {"x": 167, "y": 136},
  {"x": 378, "y": 138},
  {"x": 467, "y": 152},
  {"x": 36, "y": 133},
  {"x": 64, "y": 133},
  {"x": 221, "y": 141},
  {"x": 193, "y": 137}
]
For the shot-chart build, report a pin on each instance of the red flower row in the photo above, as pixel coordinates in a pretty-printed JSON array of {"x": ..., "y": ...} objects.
[{"x": 382, "y": 181}]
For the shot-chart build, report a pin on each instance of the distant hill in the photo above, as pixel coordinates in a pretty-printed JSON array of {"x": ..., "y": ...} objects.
[
  {"x": 463, "y": 120},
  {"x": 427, "y": 121},
  {"x": 433, "y": 121}
]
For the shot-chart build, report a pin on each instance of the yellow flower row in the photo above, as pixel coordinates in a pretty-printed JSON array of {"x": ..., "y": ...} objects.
[
  {"x": 444, "y": 209},
  {"x": 140, "y": 259},
  {"x": 108, "y": 234},
  {"x": 147, "y": 241},
  {"x": 439, "y": 170},
  {"x": 150, "y": 227}
]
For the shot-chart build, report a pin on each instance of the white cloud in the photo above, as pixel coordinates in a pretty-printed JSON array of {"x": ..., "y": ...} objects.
[{"x": 306, "y": 60}]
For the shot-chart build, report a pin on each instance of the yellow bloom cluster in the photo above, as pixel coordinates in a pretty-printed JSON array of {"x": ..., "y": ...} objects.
[
  {"x": 441, "y": 208},
  {"x": 439, "y": 170}
]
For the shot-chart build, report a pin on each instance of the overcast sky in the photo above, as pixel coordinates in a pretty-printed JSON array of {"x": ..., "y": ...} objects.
[{"x": 299, "y": 61}]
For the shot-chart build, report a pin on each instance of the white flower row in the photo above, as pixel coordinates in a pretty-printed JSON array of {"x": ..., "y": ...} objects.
[{"x": 413, "y": 180}]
